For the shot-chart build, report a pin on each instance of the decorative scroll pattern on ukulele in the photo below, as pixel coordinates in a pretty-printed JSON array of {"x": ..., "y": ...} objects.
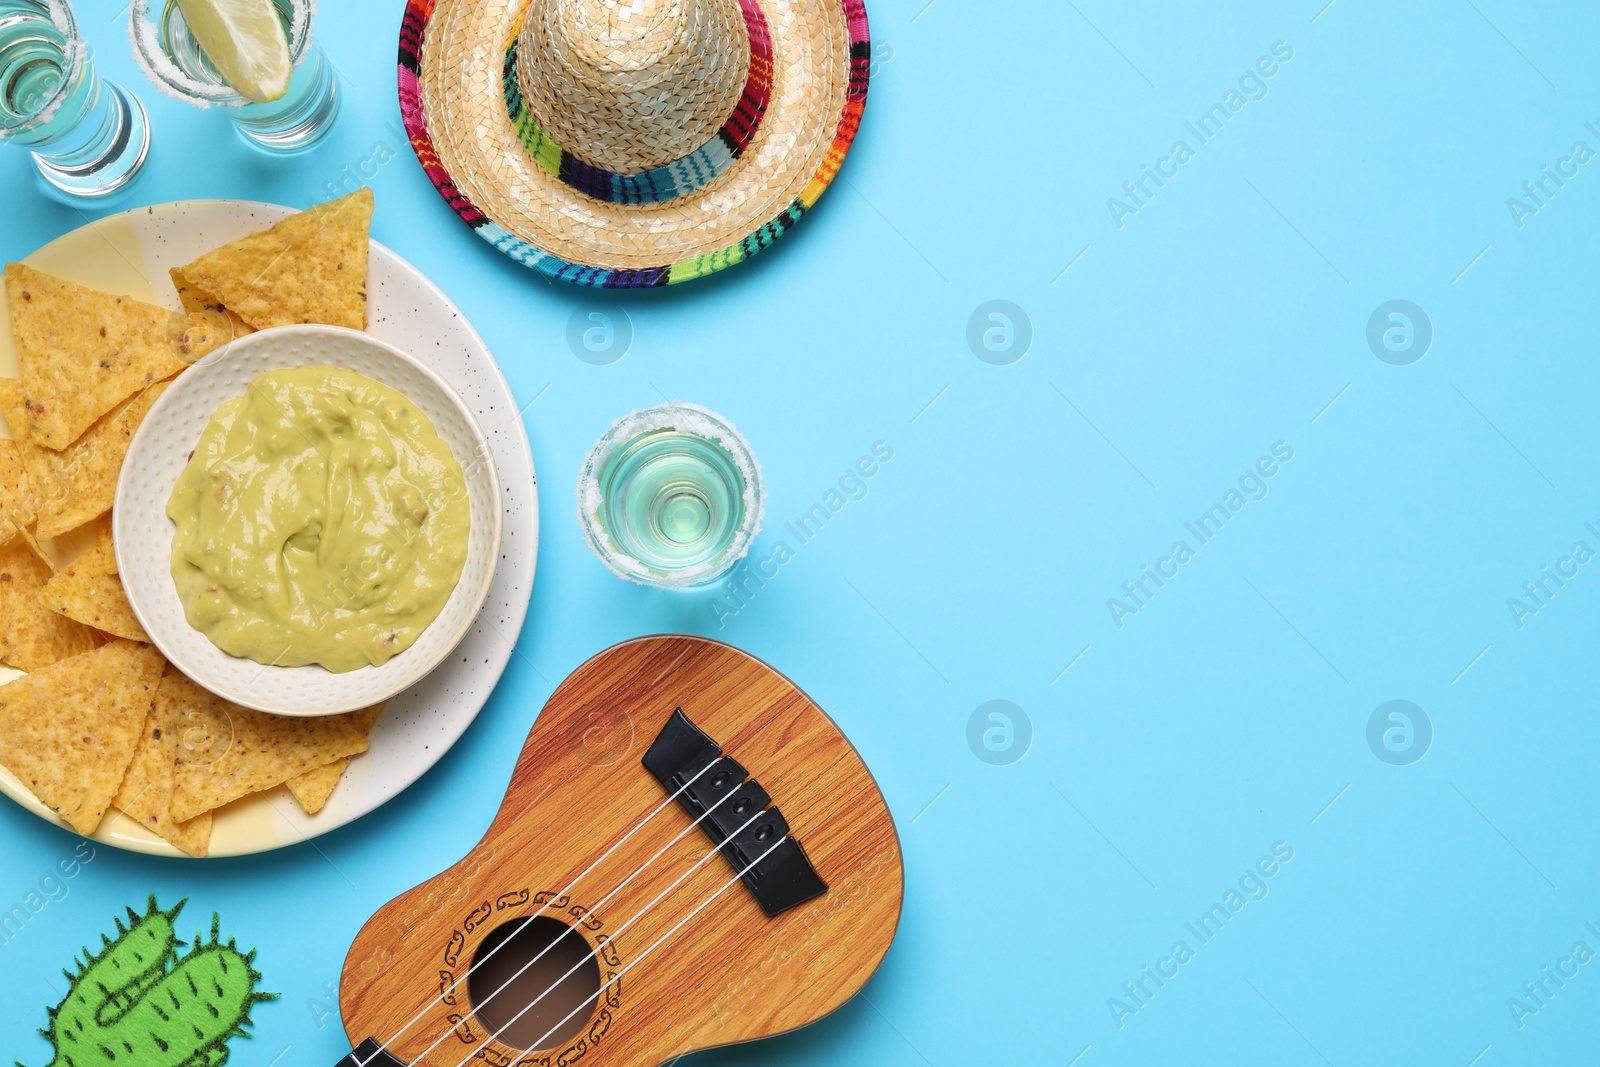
[{"x": 452, "y": 987}]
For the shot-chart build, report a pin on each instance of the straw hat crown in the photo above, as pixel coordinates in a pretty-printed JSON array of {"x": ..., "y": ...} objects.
[{"x": 629, "y": 85}]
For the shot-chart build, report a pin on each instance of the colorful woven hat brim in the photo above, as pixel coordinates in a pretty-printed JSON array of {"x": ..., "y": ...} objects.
[{"x": 717, "y": 207}]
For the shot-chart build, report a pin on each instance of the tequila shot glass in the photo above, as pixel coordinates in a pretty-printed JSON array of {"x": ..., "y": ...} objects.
[
  {"x": 171, "y": 58},
  {"x": 89, "y": 136},
  {"x": 670, "y": 496}
]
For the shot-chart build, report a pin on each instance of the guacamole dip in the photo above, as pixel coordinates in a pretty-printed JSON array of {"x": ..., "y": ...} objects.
[{"x": 320, "y": 520}]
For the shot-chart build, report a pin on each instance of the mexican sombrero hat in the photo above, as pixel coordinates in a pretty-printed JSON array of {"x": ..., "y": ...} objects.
[{"x": 626, "y": 143}]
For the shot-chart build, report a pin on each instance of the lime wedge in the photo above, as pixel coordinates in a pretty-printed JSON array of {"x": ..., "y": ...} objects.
[{"x": 244, "y": 40}]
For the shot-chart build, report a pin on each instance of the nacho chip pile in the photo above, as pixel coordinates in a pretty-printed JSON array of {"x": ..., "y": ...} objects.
[
  {"x": 117, "y": 726},
  {"x": 101, "y": 719}
]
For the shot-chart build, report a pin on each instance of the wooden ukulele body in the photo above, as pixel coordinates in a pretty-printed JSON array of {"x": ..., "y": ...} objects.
[{"x": 729, "y": 973}]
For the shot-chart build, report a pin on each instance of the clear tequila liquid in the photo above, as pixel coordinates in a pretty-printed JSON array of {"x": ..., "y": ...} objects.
[
  {"x": 671, "y": 500},
  {"x": 89, "y": 137},
  {"x": 670, "y": 496},
  {"x": 32, "y": 57}
]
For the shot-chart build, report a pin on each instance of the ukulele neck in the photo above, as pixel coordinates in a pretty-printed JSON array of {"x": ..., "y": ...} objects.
[{"x": 370, "y": 1054}]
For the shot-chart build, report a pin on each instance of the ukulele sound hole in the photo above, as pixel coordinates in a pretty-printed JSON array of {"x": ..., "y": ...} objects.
[{"x": 506, "y": 1011}]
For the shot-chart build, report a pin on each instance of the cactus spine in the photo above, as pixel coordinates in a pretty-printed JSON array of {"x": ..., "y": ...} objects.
[{"x": 138, "y": 1003}]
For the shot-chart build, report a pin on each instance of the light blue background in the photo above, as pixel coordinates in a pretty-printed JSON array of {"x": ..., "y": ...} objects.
[{"x": 1230, "y": 712}]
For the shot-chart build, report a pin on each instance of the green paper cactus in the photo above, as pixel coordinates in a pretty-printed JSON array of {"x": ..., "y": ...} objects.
[{"x": 139, "y": 1004}]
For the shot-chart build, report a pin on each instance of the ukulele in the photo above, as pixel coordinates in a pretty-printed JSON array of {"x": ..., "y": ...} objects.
[{"x": 689, "y": 854}]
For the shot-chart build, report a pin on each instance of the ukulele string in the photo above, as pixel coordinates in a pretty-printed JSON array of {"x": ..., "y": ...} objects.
[
  {"x": 473, "y": 1009},
  {"x": 634, "y": 963},
  {"x": 383, "y": 1046}
]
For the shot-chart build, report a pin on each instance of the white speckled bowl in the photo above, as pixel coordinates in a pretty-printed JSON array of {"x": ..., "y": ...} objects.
[{"x": 159, "y": 452}]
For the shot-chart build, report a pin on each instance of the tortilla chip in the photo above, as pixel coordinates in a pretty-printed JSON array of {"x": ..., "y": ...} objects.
[
  {"x": 100, "y": 557},
  {"x": 74, "y": 486},
  {"x": 224, "y": 751},
  {"x": 83, "y": 352},
  {"x": 96, "y": 600},
  {"x": 146, "y": 793},
  {"x": 68, "y": 732},
  {"x": 60, "y": 551},
  {"x": 17, "y": 507},
  {"x": 31, "y": 635},
  {"x": 26, "y": 534},
  {"x": 312, "y": 789},
  {"x": 89, "y": 591},
  {"x": 310, "y": 267},
  {"x": 208, "y": 319}
]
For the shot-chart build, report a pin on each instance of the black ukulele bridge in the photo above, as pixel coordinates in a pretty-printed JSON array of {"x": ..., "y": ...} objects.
[{"x": 729, "y": 799}]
